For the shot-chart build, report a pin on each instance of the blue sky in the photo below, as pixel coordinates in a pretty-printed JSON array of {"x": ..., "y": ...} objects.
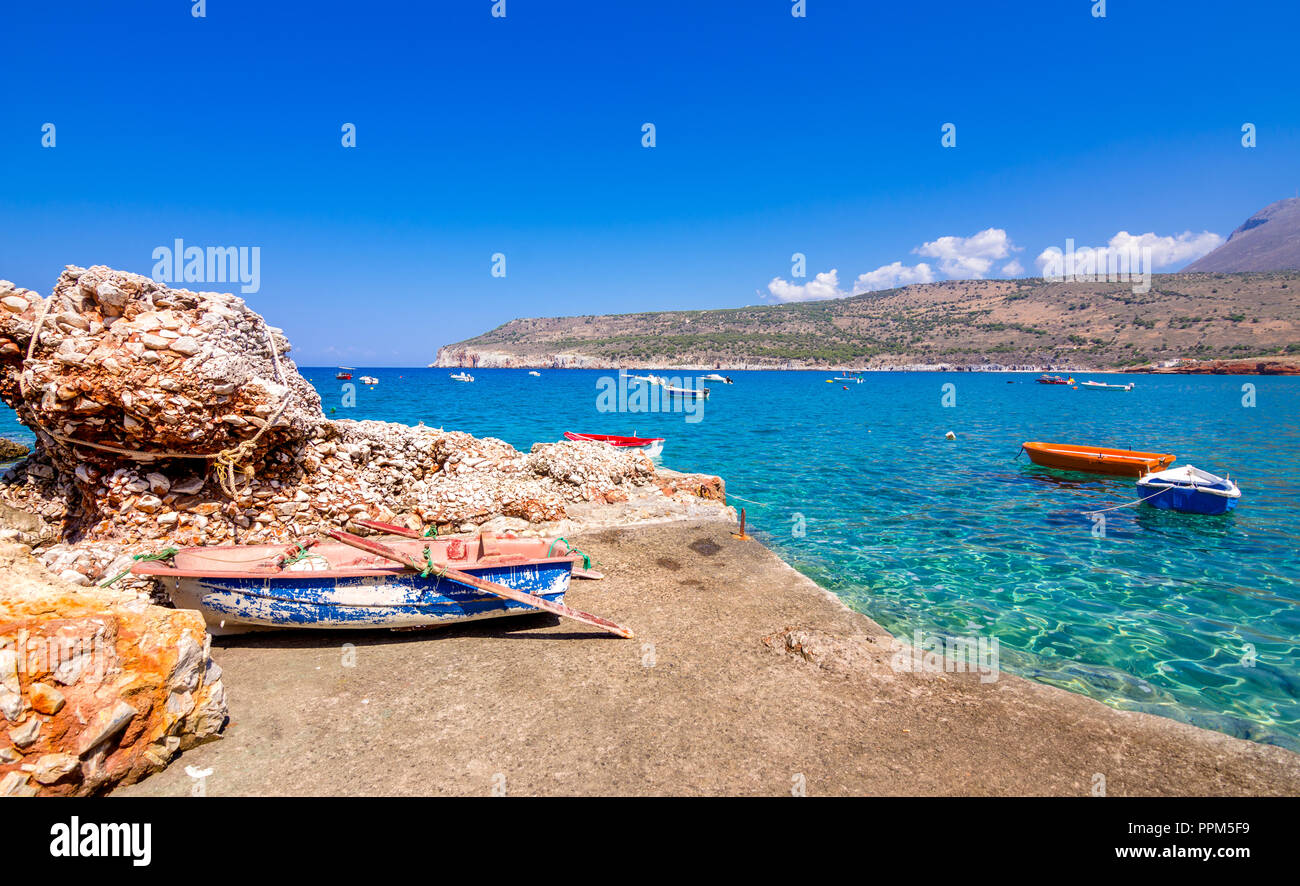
[{"x": 478, "y": 135}]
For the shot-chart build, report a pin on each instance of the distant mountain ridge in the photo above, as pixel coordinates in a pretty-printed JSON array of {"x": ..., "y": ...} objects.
[
  {"x": 976, "y": 324},
  {"x": 1267, "y": 241}
]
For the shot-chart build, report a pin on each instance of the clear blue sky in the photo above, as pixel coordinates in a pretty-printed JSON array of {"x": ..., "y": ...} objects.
[{"x": 522, "y": 136}]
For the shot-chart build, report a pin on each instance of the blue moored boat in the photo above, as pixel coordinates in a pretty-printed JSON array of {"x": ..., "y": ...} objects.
[
  {"x": 240, "y": 588},
  {"x": 1190, "y": 490}
]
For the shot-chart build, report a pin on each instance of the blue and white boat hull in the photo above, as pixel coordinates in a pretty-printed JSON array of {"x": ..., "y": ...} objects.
[
  {"x": 299, "y": 600},
  {"x": 1189, "y": 490}
]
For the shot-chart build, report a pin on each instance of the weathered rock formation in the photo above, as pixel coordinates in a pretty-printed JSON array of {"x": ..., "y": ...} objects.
[
  {"x": 166, "y": 417},
  {"x": 97, "y": 687},
  {"x": 1253, "y": 366},
  {"x": 11, "y": 450}
]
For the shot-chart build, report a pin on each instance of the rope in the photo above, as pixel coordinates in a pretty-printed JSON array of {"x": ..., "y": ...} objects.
[
  {"x": 161, "y": 555},
  {"x": 226, "y": 461},
  {"x": 1131, "y": 503},
  {"x": 748, "y": 500},
  {"x": 431, "y": 567},
  {"x": 569, "y": 549},
  {"x": 303, "y": 554}
]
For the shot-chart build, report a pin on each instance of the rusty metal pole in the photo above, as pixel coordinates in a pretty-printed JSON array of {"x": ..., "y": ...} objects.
[{"x": 741, "y": 534}]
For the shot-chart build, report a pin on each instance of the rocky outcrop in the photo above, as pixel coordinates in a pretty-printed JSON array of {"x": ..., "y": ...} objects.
[
  {"x": 97, "y": 687},
  {"x": 1252, "y": 366},
  {"x": 172, "y": 418},
  {"x": 11, "y": 450}
]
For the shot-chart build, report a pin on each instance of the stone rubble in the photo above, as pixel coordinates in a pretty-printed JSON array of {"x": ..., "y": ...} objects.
[{"x": 130, "y": 364}]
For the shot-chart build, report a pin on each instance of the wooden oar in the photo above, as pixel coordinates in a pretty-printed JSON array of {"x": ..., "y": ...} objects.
[
  {"x": 389, "y": 528},
  {"x": 394, "y": 529},
  {"x": 490, "y": 587}
]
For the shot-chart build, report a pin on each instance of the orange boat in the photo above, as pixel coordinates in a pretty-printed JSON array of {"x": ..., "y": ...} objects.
[{"x": 1097, "y": 459}]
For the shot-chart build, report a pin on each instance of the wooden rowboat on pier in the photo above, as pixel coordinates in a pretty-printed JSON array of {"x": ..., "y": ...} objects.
[{"x": 362, "y": 583}]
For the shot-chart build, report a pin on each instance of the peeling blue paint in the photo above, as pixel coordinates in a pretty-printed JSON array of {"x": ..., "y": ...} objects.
[{"x": 306, "y": 599}]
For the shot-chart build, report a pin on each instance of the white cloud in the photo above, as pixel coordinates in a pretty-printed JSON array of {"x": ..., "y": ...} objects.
[
  {"x": 1165, "y": 251},
  {"x": 892, "y": 275},
  {"x": 825, "y": 285},
  {"x": 962, "y": 257},
  {"x": 968, "y": 257}
]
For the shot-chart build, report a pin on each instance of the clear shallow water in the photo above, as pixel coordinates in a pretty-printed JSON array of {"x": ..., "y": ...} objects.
[{"x": 958, "y": 538}]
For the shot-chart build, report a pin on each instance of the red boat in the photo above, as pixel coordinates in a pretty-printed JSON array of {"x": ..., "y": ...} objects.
[
  {"x": 345, "y": 373},
  {"x": 653, "y": 446},
  {"x": 1053, "y": 380}
]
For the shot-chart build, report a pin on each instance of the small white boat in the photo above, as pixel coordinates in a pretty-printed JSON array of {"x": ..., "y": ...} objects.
[
  {"x": 461, "y": 376},
  {"x": 1190, "y": 490},
  {"x": 713, "y": 376},
  {"x": 535, "y": 372},
  {"x": 653, "y": 379},
  {"x": 698, "y": 393},
  {"x": 369, "y": 380},
  {"x": 1102, "y": 386}
]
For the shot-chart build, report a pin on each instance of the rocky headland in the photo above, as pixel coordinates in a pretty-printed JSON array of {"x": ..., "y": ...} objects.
[{"x": 1019, "y": 325}]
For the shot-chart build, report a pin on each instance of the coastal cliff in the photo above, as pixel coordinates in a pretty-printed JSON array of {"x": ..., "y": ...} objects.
[{"x": 1023, "y": 325}]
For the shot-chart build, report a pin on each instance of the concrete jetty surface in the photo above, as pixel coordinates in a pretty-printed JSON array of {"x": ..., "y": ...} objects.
[{"x": 697, "y": 704}]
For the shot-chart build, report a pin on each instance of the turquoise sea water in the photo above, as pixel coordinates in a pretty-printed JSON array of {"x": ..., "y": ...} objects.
[{"x": 1195, "y": 618}]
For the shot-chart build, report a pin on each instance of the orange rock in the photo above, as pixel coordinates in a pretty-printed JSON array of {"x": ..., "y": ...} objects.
[
  {"x": 116, "y": 686},
  {"x": 46, "y": 699}
]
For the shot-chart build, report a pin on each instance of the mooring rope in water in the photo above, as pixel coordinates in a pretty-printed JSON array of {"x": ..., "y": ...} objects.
[
  {"x": 165, "y": 554},
  {"x": 748, "y": 500},
  {"x": 1130, "y": 504}
]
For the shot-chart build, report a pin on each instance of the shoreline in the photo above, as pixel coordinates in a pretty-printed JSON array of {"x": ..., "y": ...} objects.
[
  {"x": 1247, "y": 366},
  {"x": 714, "y": 696}
]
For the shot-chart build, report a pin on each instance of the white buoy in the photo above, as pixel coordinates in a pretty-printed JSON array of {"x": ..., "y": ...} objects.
[{"x": 950, "y": 436}]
